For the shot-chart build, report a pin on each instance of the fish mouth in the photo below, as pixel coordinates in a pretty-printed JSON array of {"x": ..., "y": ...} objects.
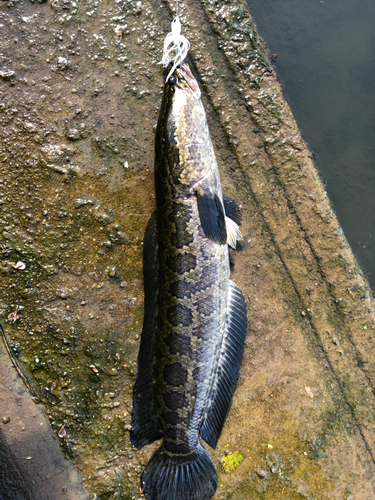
[{"x": 185, "y": 74}]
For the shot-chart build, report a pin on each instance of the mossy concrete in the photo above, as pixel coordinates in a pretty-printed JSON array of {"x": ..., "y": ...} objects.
[{"x": 80, "y": 92}]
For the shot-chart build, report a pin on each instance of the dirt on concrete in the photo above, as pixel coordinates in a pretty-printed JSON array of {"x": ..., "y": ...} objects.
[{"x": 80, "y": 88}]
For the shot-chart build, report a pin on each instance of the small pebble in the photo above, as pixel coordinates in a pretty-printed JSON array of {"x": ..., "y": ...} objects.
[
  {"x": 6, "y": 420},
  {"x": 261, "y": 473},
  {"x": 62, "y": 432},
  {"x": 112, "y": 272},
  {"x": 73, "y": 134}
]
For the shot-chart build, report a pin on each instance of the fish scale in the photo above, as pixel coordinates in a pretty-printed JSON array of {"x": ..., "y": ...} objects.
[
  {"x": 195, "y": 317},
  {"x": 204, "y": 325}
]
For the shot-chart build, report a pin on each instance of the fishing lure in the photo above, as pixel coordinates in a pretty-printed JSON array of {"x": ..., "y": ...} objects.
[{"x": 176, "y": 47}]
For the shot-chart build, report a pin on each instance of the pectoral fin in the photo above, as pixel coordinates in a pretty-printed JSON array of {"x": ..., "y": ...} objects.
[
  {"x": 232, "y": 210},
  {"x": 233, "y": 232},
  {"x": 212, "y": 216}
]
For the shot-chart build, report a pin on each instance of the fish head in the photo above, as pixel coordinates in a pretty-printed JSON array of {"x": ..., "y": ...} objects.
[
  {"x": 182, "y": 132},
  {"x": 185, "y": 81}
]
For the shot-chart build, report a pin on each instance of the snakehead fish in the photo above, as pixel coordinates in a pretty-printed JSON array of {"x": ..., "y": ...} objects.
[{"x": 195, "y": 317}]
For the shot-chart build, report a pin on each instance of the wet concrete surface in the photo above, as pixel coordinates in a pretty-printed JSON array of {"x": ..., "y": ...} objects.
[{"x": 80, "y": 92}]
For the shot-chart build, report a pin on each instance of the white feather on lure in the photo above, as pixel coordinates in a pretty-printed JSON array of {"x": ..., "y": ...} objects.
[{"x": 176, "y": 47}]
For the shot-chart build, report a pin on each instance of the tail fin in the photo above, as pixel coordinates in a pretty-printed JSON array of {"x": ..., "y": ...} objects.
[{"x": 179, "y": 477}]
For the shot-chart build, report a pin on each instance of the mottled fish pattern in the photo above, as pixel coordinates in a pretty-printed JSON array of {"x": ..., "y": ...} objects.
[{"x": 195, "y": 317}]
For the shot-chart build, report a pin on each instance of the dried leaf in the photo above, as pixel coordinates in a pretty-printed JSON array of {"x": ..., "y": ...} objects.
[
  {"x": 14, "y": 316},
  {"x": 20, "y": 265}
]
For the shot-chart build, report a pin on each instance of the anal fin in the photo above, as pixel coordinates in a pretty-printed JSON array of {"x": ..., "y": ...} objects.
[
  {"x": 228, "y": 367},
  {"x": 145, "y": 423}
]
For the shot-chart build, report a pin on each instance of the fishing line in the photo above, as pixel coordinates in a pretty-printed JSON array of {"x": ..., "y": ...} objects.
[{"x": 176, "y": 46}]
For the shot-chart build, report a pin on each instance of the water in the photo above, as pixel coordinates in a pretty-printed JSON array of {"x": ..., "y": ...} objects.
[{"x": 325, "y": 58}]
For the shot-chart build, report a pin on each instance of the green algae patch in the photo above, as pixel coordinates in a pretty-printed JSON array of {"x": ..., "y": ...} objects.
[{"x": 231, "y": 460}]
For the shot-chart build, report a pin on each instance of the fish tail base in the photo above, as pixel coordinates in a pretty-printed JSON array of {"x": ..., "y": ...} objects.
[{"x": 179, "y": 477}]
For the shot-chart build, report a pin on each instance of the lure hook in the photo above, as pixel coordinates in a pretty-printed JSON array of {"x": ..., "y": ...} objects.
[{"x": 176, "y": 47}]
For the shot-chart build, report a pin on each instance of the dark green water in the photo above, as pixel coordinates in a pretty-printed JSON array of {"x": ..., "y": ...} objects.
[{"x": 326, "y": 62}]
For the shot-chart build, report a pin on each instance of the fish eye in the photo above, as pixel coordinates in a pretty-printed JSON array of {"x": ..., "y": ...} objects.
[{"x": 172, "y": 81}]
